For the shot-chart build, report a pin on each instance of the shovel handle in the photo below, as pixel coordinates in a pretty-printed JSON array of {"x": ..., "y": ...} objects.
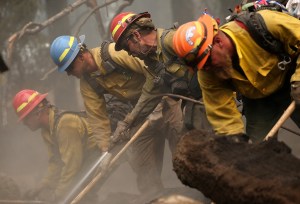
[
  {"x": 88, "y": 187},
  {"x": 287, "y": 113}
]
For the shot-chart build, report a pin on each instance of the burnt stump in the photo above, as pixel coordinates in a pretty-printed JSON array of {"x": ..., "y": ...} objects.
[{"x": 229, "y": 172}]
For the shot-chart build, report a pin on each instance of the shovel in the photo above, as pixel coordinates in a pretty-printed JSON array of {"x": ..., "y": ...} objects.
[
  {"x": 287, "y": 113},
  {"x": 74, "y": 191},
  {"x": 93, "y": 182}
]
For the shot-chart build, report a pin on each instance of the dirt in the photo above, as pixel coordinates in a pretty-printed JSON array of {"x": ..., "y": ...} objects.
[{"x": 228, "y": 172}]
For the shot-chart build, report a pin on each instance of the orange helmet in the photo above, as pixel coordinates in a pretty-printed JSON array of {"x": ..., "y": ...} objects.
[
  {"x": 121, "y": 22},
  {"x": 193, "y": 40},
  {"x": 25, "y": 101}
]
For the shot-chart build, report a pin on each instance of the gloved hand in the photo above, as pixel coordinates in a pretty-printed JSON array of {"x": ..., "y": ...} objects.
[
  {"x": 295, "y": 91},
  {"x": 120, "y": 132}
]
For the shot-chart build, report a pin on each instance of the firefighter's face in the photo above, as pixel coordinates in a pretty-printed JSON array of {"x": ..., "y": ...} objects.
[
  {"x": 135, "y": 45},
  {"x": 77, "y": 67},
  {"x": 219, "y": 62},
  {"x": 132, "y": 46},
  {"x": 32, "y": 120}
]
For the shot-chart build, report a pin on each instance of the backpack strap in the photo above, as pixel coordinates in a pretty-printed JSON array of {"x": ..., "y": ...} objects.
[
  {"x": 257, "y": 28},
  {"x": 109, "y": 65},
  {"x": 107, "y": 62},
  {"x": 193, "y": 85},
  {"x": 59, "y": 113},
  {"x": 94, "y": 84},
  {"x": 171, "y": 59},
  {"x": 259, "y": 32}
]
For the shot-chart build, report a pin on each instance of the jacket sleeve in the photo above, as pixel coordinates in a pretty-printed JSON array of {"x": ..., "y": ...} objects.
[
  {"x": 221, "y": 109},
  {"x": 70, "y": 133},
  {"x": 98, "y": 118},
  {"x": 147, "y": 101},
  {"x": 287, "y": 29}
]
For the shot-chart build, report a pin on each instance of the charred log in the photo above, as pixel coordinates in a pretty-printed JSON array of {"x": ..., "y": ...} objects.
[{"x": 228, "y": 172}]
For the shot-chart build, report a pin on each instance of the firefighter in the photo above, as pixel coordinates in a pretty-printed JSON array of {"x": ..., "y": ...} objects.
[
  {"x": 230, "y": 58},
  {"x": 136, "y": 34},
  {"x": 67, "y": 137},
  {"x": 103, "y": 70}
]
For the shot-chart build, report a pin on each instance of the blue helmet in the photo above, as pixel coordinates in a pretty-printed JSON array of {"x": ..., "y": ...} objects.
[{"x": 64, "y": 49}]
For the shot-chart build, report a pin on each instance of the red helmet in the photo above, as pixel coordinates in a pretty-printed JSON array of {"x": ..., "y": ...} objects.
[
  {"x": 193, "y": 40},
  {"x": 25, "y": 101},
  {"x": 121, "y": 22}
]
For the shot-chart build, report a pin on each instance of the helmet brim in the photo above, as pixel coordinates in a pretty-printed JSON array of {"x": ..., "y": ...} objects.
[
  {"x": 33, "y": 105},
  {"x": 207, "y": 20},
  {"x": 118, "y": 46},
  {"x": 74, "y": 54}
]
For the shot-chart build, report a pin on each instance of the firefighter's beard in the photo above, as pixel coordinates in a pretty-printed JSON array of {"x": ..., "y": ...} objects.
[
  {"x": 223, "y": 68},
  {"x": 145, "y": 51}
]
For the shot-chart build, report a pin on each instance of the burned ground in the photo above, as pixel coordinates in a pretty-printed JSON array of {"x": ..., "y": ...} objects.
[{"x": 229, "y": 172}]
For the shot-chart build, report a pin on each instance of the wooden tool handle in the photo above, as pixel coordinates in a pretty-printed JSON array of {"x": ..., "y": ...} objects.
[{"x": 287, "y": 113}]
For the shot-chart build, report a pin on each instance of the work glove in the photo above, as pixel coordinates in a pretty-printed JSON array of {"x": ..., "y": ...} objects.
[
  {"x": 295, "y": 91},
  {"x": 120, "y": 133}
]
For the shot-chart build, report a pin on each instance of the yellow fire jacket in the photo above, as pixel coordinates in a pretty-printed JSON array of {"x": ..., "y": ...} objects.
[
  {"x": 67, "y": 148},
  {"x": 135, "y": 86},
  {"x": 263, "y": 77}
]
